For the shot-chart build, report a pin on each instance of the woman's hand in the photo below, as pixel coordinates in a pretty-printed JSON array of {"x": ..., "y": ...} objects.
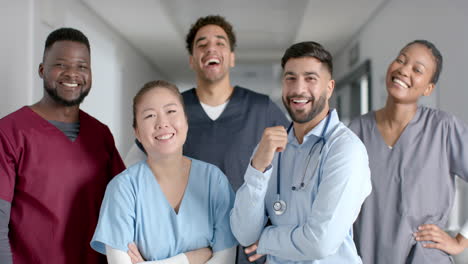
[
  {"x": 134, "y": 253},
  {"x": 441, "y": 239},
  {"x": 199, "y": 256}
]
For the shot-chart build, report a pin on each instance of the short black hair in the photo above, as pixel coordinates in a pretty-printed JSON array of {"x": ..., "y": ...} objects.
[
  {"x": 435, "y": 52},
  {"x": 216, "y": 20},
  {"x": 64, "y": 34},
  {"x": 309, "y": 49}
]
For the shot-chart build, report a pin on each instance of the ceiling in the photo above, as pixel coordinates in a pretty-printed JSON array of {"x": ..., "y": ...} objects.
[{"x": 264, "y": 28}]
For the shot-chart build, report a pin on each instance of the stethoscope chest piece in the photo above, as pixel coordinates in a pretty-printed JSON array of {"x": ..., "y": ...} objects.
[{"x": 279, "y": 207}]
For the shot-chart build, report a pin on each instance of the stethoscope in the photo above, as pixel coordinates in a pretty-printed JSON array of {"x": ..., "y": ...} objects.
[{"x": 279, "y": 206}]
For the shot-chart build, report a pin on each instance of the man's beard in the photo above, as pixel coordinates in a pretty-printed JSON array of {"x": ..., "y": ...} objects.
[
  {"x": 57, "y": 98},
  {"x": 317, "y": 108}
]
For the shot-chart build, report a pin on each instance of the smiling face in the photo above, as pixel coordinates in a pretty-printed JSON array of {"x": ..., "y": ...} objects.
[
  {"x": 409, "y": 76},
  {"x": 211, "y": 56},
  {"x": 307, "y": 86},
  {"x": 66, "y": 72},
  {"x": 161, "y": 125}
]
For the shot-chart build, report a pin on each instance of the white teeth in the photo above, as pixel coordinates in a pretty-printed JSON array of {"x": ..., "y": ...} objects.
[
  {"x": 212, "y": 61},
  {"x": 163, "y": 137},
  {"x": 300, "y": 101},
  {"x": 70, "y": 84},
  {"x": 400, "y": 82}
]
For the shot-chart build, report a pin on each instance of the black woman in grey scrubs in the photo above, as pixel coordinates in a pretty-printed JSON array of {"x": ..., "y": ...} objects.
[{"x": 415, "y": 153}]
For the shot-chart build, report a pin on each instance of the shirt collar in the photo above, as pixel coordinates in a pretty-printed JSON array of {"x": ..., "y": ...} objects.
[{"x": 316, "y": 132}]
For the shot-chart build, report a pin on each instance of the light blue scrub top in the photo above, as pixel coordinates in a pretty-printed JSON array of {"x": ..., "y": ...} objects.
[{"x": 135, "y": 209}]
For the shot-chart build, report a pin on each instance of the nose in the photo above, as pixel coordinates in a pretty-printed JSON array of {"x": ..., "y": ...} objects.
[
  {"x": 70, "y": 72},
  {"x": 299, "y": 86},
  {"x": 211, "y": 46},
  {"x": 404, "y": 70},
  {"x": 161, "y": 122}
]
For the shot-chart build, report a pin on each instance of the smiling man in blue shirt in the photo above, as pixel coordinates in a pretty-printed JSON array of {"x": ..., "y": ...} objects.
[{"x": 310, "y": 180}]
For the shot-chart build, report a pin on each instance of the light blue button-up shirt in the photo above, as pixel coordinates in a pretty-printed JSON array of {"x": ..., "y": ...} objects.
[{"x": 317, "y": 224}]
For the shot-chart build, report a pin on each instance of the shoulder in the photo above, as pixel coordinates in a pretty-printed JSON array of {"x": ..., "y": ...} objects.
[
  {"x": 129, "y": 179},
  {"x": 17, "y": 125},
  {"x": 431, "y": 119},
  {"x": 17, "y": 118},
  {"x": 210, "y": 172},
  {"x": 435, "y": 115},
  {"x": 361, "y": 122},
  {"x": 88, "y": 120},
  {"x": 344, "y": 141},
  {"x": 202, "y": 166},
  {"x": 189, "y": 94},
  {"x": 251, "y": 95}
]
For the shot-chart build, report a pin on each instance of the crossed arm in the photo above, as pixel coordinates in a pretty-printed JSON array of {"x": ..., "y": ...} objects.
[{"x": 198, "y": 256}]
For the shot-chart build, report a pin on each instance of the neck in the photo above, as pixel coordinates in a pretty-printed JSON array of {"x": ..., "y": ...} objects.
[
  {"x": 48, "y": 109},
  {"x": 168, "y": 168},
  {"x": 214, "y": 93},
  {"x": 396, "y": 114},
  {"x": 300, "y": 130}
]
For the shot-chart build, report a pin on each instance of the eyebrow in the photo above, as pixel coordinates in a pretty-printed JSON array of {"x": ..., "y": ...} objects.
[
  {"x": 305, "y": 73},
  {"x": 61, "y": 59},
  {"x": 147, "y": 109},
  {"x": 170, "y": 104},
  {"x": 164, "y": 106},
  {"x": 217, "y": 36},
  {"x": 417, "y": 62}
]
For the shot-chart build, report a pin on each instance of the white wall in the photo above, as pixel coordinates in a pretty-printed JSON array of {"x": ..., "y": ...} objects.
[
  {"x": 118, "y": 69},
  {"x": 16, "y": 55},
  {"x": 400, "y": 21}
]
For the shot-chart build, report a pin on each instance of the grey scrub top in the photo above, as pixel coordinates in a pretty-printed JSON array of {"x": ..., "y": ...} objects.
[{"x": 413, "y": 183}]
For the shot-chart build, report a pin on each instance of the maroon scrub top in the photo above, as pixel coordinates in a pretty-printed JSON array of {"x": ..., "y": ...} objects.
[{"x": 55, "y": 186}]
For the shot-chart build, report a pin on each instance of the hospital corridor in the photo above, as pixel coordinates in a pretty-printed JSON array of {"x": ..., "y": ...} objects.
[{"x": 377, "y": 70}]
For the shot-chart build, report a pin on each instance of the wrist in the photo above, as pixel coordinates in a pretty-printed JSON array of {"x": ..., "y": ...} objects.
[
  {"x": 462, "y": 241},
  {"x": 258, "y": 167}
]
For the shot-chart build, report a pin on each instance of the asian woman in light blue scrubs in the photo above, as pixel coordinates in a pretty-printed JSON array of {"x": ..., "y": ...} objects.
[{"x": 174, "y": 208}]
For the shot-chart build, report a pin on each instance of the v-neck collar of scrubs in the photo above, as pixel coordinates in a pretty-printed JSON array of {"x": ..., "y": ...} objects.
[
  {"x": 233, "y": 101},
  {"x": 401, "y": 139},
  {"x": 47, "y": 125},
  {"x": 187, "y": 191}
]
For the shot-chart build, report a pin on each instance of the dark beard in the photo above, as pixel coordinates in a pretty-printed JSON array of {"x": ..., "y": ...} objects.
[
  {"x": 54, "y": 95},
  {"x": 317, "y": 108}
]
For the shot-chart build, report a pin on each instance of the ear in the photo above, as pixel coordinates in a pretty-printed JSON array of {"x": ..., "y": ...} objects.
[
  {"x": 41, "y": 71},
  {"x": 330, "y": 88},
  {"x": 233, "y": 59},
  {"x": 430, "y": 88}
]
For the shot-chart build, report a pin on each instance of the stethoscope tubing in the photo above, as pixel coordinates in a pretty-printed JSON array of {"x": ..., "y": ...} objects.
[{"x": 322, "y": 138}]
